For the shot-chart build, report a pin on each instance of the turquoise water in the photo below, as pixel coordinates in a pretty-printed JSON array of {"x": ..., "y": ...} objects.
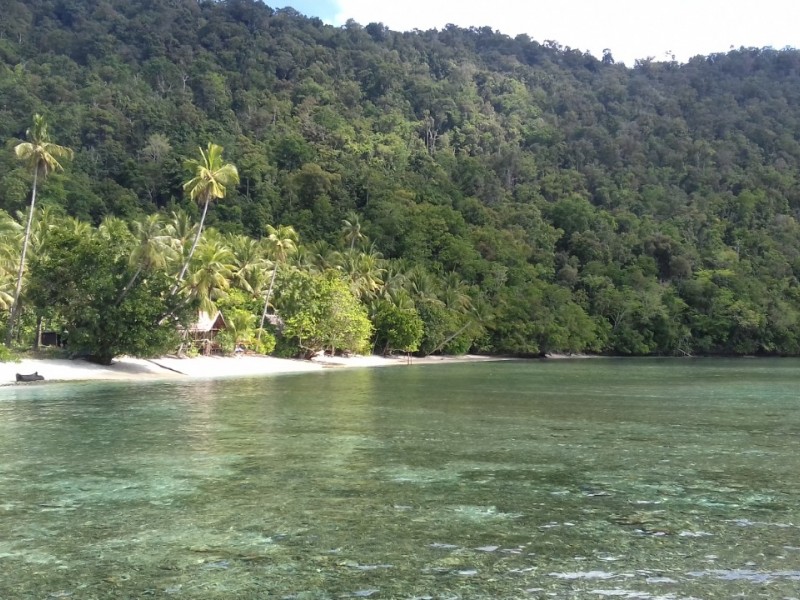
[{"x": 639, "y": 479}]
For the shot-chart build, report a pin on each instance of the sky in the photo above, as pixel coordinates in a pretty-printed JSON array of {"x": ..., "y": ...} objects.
[{"x": 631, "y": 29}]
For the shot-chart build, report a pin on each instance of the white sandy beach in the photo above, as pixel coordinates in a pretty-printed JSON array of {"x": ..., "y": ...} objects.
[{"x": 202, "y": 367}]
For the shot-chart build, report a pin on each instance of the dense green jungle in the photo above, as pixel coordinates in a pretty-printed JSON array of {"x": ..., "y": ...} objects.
[{"x": 434, "y": 191}]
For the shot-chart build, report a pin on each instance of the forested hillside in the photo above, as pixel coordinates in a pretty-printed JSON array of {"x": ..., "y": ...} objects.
[{"x": 519, "y": 197}]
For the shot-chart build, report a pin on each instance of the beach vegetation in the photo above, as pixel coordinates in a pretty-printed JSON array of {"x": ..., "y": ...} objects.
[
  {"x": 322, "y": 314},
  {"x": 6, "y": 355},
  {"x": 397, "y": 328},
  {"x": 82, "y": 277},
  {"x": 519, "y": 197}
]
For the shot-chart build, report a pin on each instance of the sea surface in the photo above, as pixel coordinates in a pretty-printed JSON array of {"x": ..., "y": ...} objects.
[{"x": 654, "y": 479}]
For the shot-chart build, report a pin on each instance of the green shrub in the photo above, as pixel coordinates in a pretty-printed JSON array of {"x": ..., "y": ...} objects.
[
  {"x": 7, "y": 355},
  {"x": 264, "y": 346},
  {"x": 227, "y": 341}
]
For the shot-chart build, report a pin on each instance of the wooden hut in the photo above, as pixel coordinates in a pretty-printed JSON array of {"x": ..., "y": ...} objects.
[{"x": 202, "y": 333}]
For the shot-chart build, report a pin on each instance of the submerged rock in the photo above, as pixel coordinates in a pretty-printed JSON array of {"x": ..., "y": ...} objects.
[{"x": 584, "y": 575}]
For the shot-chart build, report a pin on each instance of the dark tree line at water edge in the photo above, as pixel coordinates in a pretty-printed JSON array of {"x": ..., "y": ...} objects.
[{"x": 450, "y": 190}]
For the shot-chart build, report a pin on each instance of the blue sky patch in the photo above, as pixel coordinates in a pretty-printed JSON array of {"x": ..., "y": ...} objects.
[{"x": 324, "y": 9}]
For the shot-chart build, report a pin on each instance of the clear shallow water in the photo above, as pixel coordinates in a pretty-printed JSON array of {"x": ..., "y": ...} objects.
[{"x": 639, "y": 479}]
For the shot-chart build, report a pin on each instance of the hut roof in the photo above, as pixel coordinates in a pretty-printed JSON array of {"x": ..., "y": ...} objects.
[
  {"x": 208, "y": 322},
  {"x": 274, "y": 320}
]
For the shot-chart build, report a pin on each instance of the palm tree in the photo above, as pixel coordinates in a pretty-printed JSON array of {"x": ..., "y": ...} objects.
[
  {"x": 249, "y": 263},
  {"x": 113, "y": 229},
  {"x": 47, "y": 220},
  {"x": 281, "y": 242},
  {"x": 10, "y": 232},
  {"x": 9, "y": 235},
  {"x": 212, "y": 177},
  {"x": 181, "y": 230},
  {"x": 239, "y": 325},
  {"x": 395, "y": 281},
  {"x": 76, "y": 226},
  {"x": 363, "y": 272},
  {"x": 455, "y": 294},
  {"x": 316, "y": 257},
  {"x": 41, "y": 156},
  {"x": 5, "y": 294},
  {"x": 153, "y": 250},
  {"x": 212, "y": 272},
  {"x": 422, "y": 286},
  {"x": 351, "y": 229}
]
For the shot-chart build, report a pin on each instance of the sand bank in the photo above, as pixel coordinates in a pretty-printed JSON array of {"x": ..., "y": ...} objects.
[{"x": 202, "y": 367}]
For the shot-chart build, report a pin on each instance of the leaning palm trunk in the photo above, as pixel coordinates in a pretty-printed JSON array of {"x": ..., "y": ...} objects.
[
  {"x": 266, "y": 302},
  {"x": 449, "y": 339},
  {"x": 128, "y": 287},
  {"x": 182, "y": 274},
  {"x": 15, "y": 306}
]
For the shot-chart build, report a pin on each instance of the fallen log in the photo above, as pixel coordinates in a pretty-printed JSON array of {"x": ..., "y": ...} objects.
[{"x": 30, "y": 377}]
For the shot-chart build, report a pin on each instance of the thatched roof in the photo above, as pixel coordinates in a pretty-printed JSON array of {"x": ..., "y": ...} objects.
[
  {"x": 207, "y": 322},
  {"x": 274, "y": 320}
]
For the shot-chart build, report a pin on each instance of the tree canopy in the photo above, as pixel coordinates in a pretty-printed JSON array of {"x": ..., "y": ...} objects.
[{"x": 517, "y": 196}]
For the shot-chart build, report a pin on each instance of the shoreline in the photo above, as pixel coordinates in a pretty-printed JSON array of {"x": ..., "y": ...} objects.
[{"x": 203, "y": 367}]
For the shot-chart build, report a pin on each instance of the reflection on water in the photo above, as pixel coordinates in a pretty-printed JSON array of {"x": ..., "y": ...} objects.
[{"x": 642, "y": 479}]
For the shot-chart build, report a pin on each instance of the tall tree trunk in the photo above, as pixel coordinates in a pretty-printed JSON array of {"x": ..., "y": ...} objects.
[
  {"x": 191, "y": 251},
  {"x": 266, "y": 301},
  {"x": 38, "y": 341},
  {"x": 12, "y": 319}
]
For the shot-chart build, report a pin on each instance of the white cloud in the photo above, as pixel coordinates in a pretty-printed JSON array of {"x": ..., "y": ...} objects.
[{"x": 629, "y": 28}]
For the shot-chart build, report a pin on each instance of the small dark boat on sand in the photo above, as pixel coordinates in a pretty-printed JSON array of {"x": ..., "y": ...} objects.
[{"x": 31, "y": 377}]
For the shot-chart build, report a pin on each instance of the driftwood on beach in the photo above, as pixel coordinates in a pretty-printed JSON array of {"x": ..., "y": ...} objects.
[{"x": 30, "y": 377}]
